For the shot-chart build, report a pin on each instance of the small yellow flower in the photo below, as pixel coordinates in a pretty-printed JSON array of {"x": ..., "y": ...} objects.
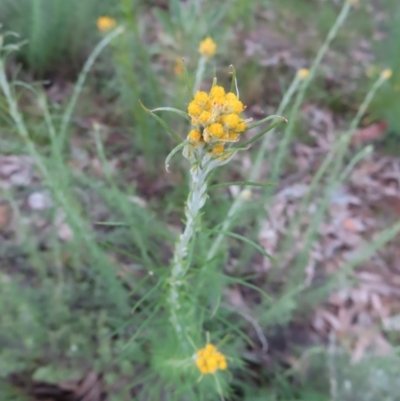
[
  {"x": 218, "y": 149},
  {"x": 194, "y": 135},
  {"x": 386, "y": 74},
  {"x": 231, "y": 120},
  {"x": 205, "y": 117},
  {"x": 104, "y": 24},
  {"x": 217, "y": 92},
  {"x": 207, "y": 47},
  {"x": 303, "y": 73},
  {"x": 216, "y": 130},
  {"x": 194, "y": 109},
  {"x": 201, "y": 97},
  {"x": 208, "y": 359}
]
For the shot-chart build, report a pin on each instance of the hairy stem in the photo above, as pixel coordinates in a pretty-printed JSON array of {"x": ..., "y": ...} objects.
[{"x": 180, "y": 263}]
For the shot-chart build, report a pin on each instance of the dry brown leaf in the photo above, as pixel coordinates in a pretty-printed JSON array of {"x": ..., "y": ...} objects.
[
  {"x": 91, "y": 388},
  {"x": 370, "y": 133},
  {"x": 5, "y": 215}
]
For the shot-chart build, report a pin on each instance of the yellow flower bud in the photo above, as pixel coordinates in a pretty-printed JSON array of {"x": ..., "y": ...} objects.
[
  {"x": 218, "y": 150},
  {"x": 201, "y": 97},
  {"x": 194, "y": 109},
  {"x": 217, "y": 91},
  {"x": 216, "y": 130},
  {"x": 194, "y": 135},
  {"x": 231, "y": 120},
  {"x": 207, "y": 48},
  {"x": 104, "y": 24},
  {"x": 205, "y": 117}
]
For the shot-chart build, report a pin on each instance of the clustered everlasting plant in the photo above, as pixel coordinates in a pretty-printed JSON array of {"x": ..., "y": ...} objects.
[
  {"x": 217, "y": 124},
  {"x": 216, "y": 121}
]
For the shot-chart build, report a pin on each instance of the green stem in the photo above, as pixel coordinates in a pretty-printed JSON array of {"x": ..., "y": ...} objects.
[
  {"x": 196, "y": 200},
  {"x": 283, "y": 145},
  {"x": 81, "y": 81}
]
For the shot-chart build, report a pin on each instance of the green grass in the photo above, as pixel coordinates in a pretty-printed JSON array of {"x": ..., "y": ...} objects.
[{"x": 58, "y": 32}]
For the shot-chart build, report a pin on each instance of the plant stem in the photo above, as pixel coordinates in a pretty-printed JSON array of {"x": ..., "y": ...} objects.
[
  {"x": 81, "y": 81},
  {"x": 285, "y": 141},
  {"x": 283, "y": 145},
  {"x": 199, "y": 74},
  {"x": 196, "y": 200}
]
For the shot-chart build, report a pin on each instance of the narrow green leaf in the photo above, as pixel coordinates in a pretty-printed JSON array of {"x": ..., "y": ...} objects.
[
  {"x": 173, "y": 110},
  {"x": 111, "y": 223},
  {"x": 172, "y": 153},
  {"x": 246, "y": 284},
  {"x": 234, "y": 85},
  {"x": 162, "y": 122},
  {"x": 261, "y": 134},
  {"x": 186, "y": 75},
  {"x": 244, "y": 239},
  {"x": 240, "y": 183},
  {"x": 249, "y": 127}
]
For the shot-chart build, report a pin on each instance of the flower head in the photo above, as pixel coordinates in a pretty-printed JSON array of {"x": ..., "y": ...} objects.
[
  {"x": 303, "y": 73},
  {"x": 209, "y": 360},
  {"x": 104, "y": 24},
  {"x": 207, "y": 47},
  {"x": 215, "y": 116},
  {"x": 386, "y": 74}
]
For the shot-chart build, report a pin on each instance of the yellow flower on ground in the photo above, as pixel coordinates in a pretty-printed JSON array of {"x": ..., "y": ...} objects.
[
  {"x": 207, "y": 47},
  {"x": 303, "y": 73},
  {"x": 215, "y": 115},
  {"x": 104, "y": 24},
  {"x": 209, "y": 360}
]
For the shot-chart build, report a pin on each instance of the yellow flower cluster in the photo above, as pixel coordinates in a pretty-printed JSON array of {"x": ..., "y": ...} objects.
[
  {"x": 207, "y": 47},
  {"x": 104, "y": 24},
  {"x": 209, "y": 360},
  {"x": 215, "y": 117}
]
